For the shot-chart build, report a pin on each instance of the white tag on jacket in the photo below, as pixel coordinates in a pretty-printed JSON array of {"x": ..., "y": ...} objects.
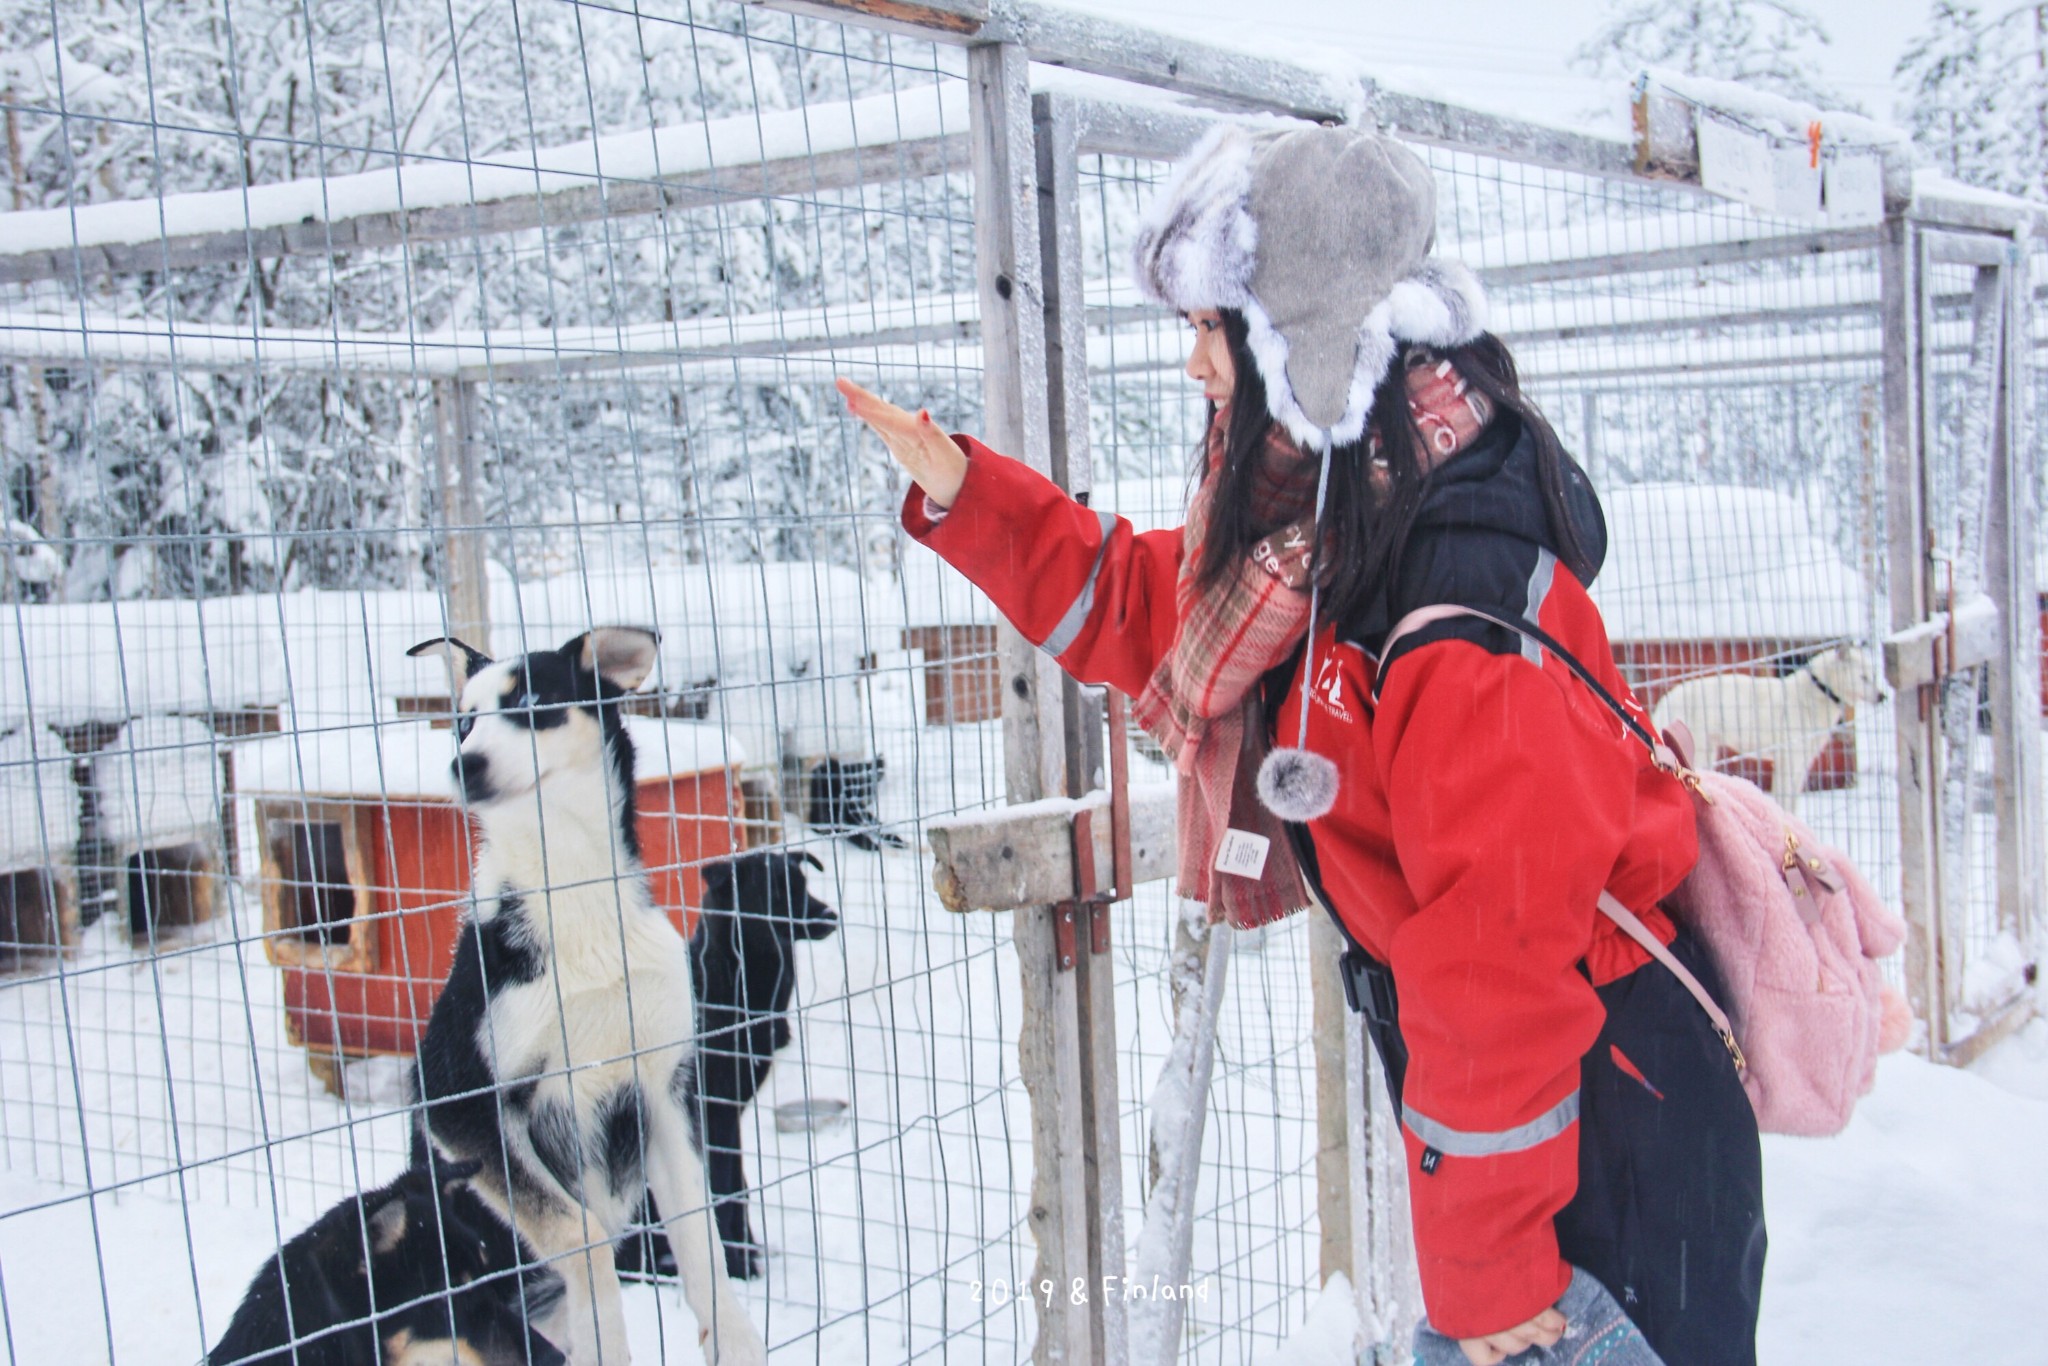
[{"x": 1242, "y": 853}]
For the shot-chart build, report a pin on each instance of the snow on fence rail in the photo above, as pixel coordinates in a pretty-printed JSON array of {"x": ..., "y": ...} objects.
[{"x": 555, "y": 353}]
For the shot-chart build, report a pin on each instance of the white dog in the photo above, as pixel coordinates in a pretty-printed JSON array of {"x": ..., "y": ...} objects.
[
  {"x": 1787, "y": 720},
  {"x": 557, "y": 1058}
]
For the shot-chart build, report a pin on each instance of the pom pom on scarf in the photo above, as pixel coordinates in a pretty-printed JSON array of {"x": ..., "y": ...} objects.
[{"x": 1297, "y": 784}]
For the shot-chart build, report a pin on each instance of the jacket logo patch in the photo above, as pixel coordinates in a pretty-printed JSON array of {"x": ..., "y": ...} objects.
[
  {"x": 1430, "y": 1159},
  {"x": 1329, "y": 688},
  {"x": 1628, "y": 1069}
]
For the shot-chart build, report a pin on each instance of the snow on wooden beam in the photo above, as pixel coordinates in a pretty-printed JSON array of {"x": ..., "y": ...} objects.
[
  {"x": 918, "y": 18},
  {"x": 1123, "y": 128},
  {"x": 1446, "y": 125},
  {"x": 1083, "y": 42},
  {"x": 902, "y": 135},
  {"x": 1760, "y": 248},
  {"x": 1023, "y": 855}
]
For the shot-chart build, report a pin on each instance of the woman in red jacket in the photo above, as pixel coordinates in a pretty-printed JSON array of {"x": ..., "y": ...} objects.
[{"x": 1460, "y": 805}]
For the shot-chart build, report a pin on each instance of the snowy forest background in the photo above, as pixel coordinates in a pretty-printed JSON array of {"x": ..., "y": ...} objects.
[{"x": 124, "y": 482}]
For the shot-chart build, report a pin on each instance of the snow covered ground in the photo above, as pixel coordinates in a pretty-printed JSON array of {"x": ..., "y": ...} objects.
[
  {"x": 169, "y": 1088},
  {"x": 1918, "y": 1235}
]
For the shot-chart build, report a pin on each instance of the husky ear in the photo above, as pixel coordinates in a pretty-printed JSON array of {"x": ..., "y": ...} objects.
[
  {"x": 387, "y": 1225},
  {"x": 462, "y": 659},
  {"x": 622, "y": 656}
]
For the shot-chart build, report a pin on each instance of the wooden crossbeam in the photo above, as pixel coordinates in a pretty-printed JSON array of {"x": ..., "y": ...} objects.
[{"x": 1023, "y": 855}]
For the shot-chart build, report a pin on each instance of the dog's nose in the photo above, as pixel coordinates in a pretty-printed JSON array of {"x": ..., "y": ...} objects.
[{"x": 471, "y": 773}]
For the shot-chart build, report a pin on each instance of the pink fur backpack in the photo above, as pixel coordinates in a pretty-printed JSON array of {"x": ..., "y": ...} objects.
[{"x": 1793, "y": 929}]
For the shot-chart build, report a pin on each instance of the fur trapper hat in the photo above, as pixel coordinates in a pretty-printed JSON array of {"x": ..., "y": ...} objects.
[{"x": 1321, "y": 237}]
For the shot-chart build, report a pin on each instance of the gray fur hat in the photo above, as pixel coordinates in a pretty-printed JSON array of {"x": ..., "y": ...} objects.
[{"x": 1321, "y": 237}]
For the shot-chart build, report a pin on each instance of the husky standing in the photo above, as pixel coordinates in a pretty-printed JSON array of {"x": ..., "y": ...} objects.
[{"x": 557, "y": 1053}]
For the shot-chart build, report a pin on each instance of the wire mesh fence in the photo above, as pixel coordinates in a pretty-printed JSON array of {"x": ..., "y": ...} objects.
[
  {"x": 569, "y": 367},
  {"x": 334, "y": 330}
]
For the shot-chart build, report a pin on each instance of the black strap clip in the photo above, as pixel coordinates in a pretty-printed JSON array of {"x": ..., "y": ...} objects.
[{"x": 1368, "y": 986}]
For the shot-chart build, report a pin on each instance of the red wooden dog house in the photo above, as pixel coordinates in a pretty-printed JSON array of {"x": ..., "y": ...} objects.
[
  {"x": 366, "y": 857},
  {"x": 1714, "y": 578}
]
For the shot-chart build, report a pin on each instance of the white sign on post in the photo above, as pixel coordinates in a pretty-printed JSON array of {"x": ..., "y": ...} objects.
[
  {"x": 1796, "y": 181},
  {"x": 1737, "y": 162},
  {"x": 1854, "y": 188}
]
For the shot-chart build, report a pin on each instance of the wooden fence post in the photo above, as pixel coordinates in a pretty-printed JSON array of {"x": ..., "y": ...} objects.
[
  {"x": 1336, "y": 1180},
  {"x": 1902, "y": 310},
  {"x": 465, "y": 585},
  {"x": 1056, "y": 142},
  {"x": 1010, "y": 275}
]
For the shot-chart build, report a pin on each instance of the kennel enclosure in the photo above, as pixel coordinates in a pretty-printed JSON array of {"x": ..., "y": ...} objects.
[{"x": 565, "y": 359}]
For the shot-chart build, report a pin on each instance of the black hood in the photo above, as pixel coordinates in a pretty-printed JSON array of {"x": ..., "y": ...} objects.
[
  {"x": 1493, "y": 485},
  {"x": 1480, "y": 531}
]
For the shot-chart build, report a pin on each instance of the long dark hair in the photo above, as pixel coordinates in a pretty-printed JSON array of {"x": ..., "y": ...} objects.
[{"x": 1363, "y": 532}]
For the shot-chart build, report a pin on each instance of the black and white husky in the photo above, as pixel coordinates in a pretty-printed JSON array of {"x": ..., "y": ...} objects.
[{"x": 557, "y": 1055}]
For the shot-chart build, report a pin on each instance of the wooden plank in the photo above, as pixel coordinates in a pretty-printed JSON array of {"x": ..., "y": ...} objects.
[
  {"x": 465, "y": 584},
  {"x": 916, "y": 18},
  {"x": 800, "y": 174},
  {"x": 1023, "y": 855},
  {"x": 1008, "y": 272},
  {"x": 1055, "y": 143},
  {"x": 1056, "y": 36},
  {"x": 1974, "y": 211},
  {"x": 1149, "y": 131},
  {"x": 1924, "y": 653},
  {"x": 1968, "y": 248},
  {"x": 1775, "y": 247},
  {"x": 2009, "y": 577},
  {"x": 1440, "y": 124},
  {"x": 1901, "y": 292},
  {"x": 1335, "y": 1094}
]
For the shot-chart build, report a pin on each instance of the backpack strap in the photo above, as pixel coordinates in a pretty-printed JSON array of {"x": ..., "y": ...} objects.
[
  {"x": 1660, "y": 753},
  {"x": 1631, "y": 925}
]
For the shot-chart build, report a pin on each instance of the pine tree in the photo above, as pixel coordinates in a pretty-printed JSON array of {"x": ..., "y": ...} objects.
[
  {"x": 1769, "y": 44},
  {"x": 1949, "y": 104},
  {"x": 1974, "y": 92}
]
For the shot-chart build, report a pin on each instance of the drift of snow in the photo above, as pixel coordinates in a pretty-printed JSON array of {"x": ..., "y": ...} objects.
[{"x": 1918, "y": 1234}]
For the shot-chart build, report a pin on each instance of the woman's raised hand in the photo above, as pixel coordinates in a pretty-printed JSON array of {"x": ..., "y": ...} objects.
[{"x": 914, "y": 439}]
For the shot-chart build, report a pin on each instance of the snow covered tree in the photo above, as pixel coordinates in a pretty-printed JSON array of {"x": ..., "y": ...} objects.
[
  {"x": 312, "y": 480},
  {"x": 1950, "y": 105},
  {"x": 1770, "y": 44},
  {"x": 1974, "y": 92}
]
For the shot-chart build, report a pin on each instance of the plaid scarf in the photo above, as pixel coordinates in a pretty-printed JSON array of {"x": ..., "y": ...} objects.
[{"x": 1202, "y": 703}]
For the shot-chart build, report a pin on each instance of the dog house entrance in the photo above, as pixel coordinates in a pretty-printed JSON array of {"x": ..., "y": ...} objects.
[
  {"x": 313, "y": 887},
  {"x": 32, "y": 914},
  {"x": 168, "y": 888},
  {"x": 317, "y": 896}
]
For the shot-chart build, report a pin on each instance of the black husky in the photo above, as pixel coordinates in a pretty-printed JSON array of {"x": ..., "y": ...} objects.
[
  {"x": 743, "y": 969},
  {"x": 413, "y": 1271},
  {"x": 841, "y": 800}
]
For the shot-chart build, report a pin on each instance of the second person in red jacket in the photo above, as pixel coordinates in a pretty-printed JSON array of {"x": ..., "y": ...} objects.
[{"x": 1460, "y": 806}]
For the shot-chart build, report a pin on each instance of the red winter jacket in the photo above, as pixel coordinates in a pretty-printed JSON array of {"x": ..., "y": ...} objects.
[{"x": 1485, "y": 801}]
